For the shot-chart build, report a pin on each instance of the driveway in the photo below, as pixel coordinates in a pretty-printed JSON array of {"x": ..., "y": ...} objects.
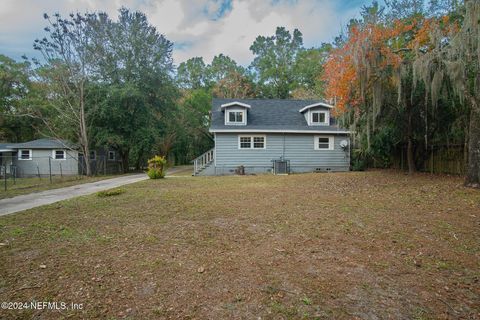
[{"x": 32, "y": 200}]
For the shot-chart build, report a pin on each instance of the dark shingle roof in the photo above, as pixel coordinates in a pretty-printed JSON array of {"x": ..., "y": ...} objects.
[{"x": 269, "y": 114}]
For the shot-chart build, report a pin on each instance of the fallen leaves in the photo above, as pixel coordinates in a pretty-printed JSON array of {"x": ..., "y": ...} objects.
[{"x": 336, "y": 244}]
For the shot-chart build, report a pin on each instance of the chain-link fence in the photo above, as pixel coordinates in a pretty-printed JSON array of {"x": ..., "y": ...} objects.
[{"x": 25, "y": 172}]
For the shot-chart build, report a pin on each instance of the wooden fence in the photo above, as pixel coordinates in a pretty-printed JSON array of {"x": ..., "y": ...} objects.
[{"x": 448, "y": 159}]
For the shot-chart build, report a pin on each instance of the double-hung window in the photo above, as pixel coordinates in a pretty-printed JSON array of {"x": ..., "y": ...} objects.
[
  {"x": 251, "y": 142},
  {"x": 245, "y": 142},
  {"x": 25, "y": 154},
  {"x": 111, "y": 155},
  {"x": 259, "y": 142},
  {"x": 59, "y": 154},
  {"x": 324, "y": 143}
]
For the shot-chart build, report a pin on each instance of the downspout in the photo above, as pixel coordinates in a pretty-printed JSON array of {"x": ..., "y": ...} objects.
[
  {"x": 215, "y": 153},
  {"x": 349, "y": 153},
  {"x": 283, "y": 149}
]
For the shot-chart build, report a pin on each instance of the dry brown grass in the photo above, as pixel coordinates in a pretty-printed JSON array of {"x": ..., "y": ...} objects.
[
  {"x": 30, "y": 185},
  {"x": 369, "y": 245}
]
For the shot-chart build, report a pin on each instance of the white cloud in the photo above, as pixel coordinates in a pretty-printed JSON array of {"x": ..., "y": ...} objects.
[
  {"x": 235, "y": 32},
  {"x": 186, "y": 22}
]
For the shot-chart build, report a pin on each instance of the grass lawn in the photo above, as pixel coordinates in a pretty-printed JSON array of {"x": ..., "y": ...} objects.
[
  {"x": 180, "y": 171},
  {"x": 29, "y": 185},
  {"x": 363, "y": 245}
]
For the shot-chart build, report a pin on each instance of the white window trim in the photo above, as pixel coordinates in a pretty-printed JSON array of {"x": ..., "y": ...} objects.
[
  {"x": 94, "y": 155},
  {"x": 331, "y": 143},
  {"x": 244, "y": 118},
  {"x": 318, "y": 104},
  {"x": 114, "y": 155},
  {"x": 29, "y": 154},
  {"x": 64, "y": 154},
  {"x": 251, "y": 141},
  {"x": 235, "y": 103},
  {"x": 327, "y": 118}
]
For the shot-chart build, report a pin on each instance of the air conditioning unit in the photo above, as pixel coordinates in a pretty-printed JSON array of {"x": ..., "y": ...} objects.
[{"x": 281, "y": 166}]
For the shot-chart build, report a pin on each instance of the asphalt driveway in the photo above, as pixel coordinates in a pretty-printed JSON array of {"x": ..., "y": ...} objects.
[{"x": 32, "y": 200}]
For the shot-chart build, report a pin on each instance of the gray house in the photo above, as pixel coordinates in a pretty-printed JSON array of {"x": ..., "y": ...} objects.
[
  {"x": 38, "y": 156},
  {"x": 45, "y": 156},
  {"x": 278, "y": 136}
]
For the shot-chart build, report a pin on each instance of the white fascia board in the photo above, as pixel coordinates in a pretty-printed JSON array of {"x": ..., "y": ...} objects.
[
  {"x": 235, "y": 103},
  {"x": 279, "y": 131},
  {"x": 318, "y": 104}
]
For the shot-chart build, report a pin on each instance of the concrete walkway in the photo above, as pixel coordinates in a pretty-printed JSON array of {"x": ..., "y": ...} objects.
[{"x": 32, "y": 200}]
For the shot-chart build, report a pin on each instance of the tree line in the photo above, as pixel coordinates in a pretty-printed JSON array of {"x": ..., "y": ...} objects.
[
  {"x": 403, "y": 75},
  {"x": 409, "y": 76}
]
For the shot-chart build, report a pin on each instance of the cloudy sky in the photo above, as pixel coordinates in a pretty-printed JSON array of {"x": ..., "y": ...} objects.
[{"x": 197, "y": 27}]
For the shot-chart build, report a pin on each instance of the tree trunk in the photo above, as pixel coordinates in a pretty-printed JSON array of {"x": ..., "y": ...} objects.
[
  {"x": 125, "y": 163},
  {"x": 368, "y": 131},
  {"x": 465, "y": 146},
  {"x": 83, "y": 133},
  {"x": 86, "y": 156},
  {"x": 472, "y": 178},
  {"x": 410, "y": 158}
]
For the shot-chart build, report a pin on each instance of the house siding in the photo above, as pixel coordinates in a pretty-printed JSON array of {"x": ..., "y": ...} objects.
[
  {"x": 298, "y": 148},
  {"x": 40, "y": 160}
]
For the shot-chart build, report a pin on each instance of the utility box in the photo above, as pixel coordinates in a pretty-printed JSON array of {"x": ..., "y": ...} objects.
[{"x": 281, "y": 166}]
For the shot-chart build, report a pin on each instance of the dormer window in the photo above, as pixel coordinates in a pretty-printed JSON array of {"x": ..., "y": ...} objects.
[
  {"x": 319, "y": 117},
  {"x": 235, "y": 117},
  {"x": 317, "y": 114},
  {"x": 235, "y": 113}
]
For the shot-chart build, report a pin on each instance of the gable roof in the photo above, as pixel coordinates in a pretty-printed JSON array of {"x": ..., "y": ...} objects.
[
  {"x": 314, "y": 105},
  {"x": 271, "y": 115},
  {"x": 39, "y": 144},
  {"x": 235, "y": 103}
]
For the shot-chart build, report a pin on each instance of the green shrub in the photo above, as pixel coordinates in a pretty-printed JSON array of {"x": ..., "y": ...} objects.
[
  {"x": 157, "y": 167},
  {"x": 360, "y": 159},
  {"x": 358, "y": 165},
  {"x": 111, "y": 192},
  {"x": 383, "y": 146}
]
